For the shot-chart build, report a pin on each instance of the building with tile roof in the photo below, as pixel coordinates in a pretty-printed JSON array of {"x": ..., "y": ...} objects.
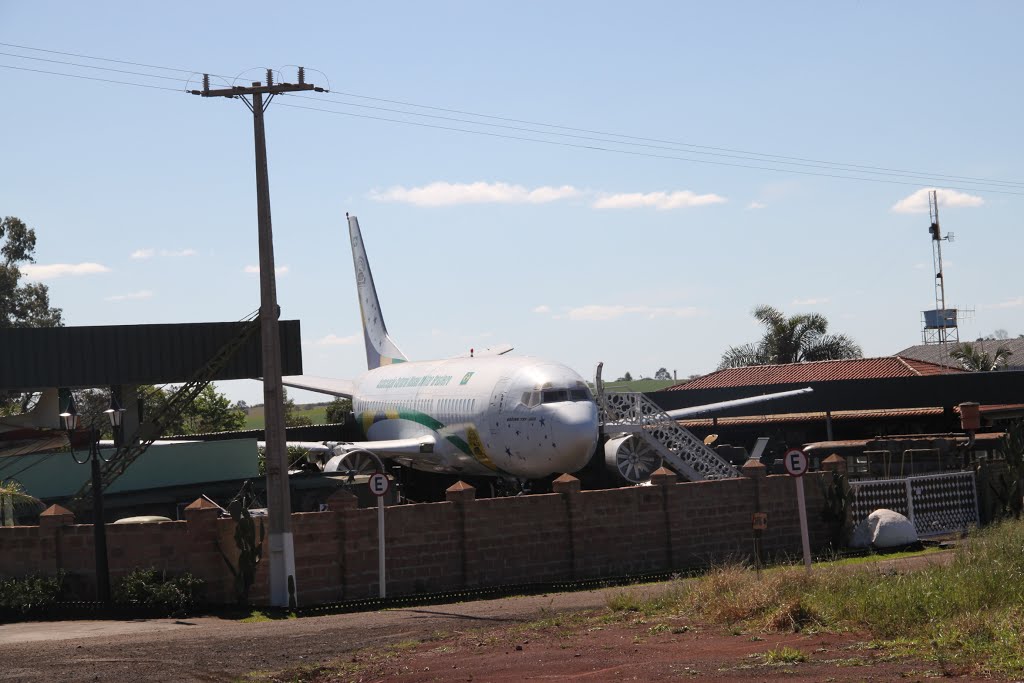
[
  {"x": 877, "y": 388},
  {"x": 939, "y": 353}
]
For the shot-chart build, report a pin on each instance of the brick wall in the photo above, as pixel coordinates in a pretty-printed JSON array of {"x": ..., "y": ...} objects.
[{"x": 446, "y": 546}]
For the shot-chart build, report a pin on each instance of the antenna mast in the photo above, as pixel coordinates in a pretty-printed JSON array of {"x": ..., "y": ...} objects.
[{"x": 940, "y": 324}]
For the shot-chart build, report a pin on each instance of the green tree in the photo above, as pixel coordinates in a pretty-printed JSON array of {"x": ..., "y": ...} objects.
[
  {"x": 22, "y": 305},
  {"x": 338, "y": 410},
  {"x": 662, "y": 373},
  {"x": 973, "y": 359},
  {"x": 211, "y": 411},
  {"x": 625, "y": 378},
  {"x": 790, "y": 339},
  {"x": 291, "y": 419}
]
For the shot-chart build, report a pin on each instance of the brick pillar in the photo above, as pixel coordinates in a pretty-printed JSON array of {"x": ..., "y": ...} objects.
[
  {"x": 754, "y": 470},
  {"x": 664, "y": 479},
  {"x": 52, "y": 521},
  {"x": 205, "y": 559},
  {"x": 462, "y": 494},
  {"x": 569, "y": 487},
  {"x": 342, "y": 503}
]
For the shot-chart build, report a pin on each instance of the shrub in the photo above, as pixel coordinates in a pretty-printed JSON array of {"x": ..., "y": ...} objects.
[
  {"x": 30, "y": 592},
  {"x": 149, "y": 588}
]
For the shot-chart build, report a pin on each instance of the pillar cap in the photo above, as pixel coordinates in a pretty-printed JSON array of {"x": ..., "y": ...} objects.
[
  {"x": 566, "y": 483},
  {"x": 663, "y": 476},
  {"x": 754, "y": 469},
  {"x": 460, "y": 492}
]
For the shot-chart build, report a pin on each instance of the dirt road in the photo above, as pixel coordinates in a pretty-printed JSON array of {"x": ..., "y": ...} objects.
[{"x": 486, "y": 640}]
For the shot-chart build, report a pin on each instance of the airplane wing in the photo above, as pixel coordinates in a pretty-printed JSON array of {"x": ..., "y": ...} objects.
[
  {"x": 385, "y": 449},
  {"x": 344, "y": 388},
  {"x": 714, "y": 407}
]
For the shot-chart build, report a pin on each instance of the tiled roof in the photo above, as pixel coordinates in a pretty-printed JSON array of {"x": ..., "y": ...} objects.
[
  {"x": 939, "y": 353},
  {"x": 819, "y": 371}
]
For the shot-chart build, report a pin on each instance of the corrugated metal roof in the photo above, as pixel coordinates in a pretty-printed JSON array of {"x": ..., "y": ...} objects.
[
  {"x": 886, "y": 367},
  {"x": 108, "y": 355},
  {"x": 839, "y": 415}
]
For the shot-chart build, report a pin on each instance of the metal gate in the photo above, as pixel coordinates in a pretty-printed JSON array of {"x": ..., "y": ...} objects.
[{"x": 935, "y": 504}]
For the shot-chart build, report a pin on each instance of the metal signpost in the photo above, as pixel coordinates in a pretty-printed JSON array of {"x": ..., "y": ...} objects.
[
  {"x": 379, "y": 486},
  {"x": 796, "y": 464}
]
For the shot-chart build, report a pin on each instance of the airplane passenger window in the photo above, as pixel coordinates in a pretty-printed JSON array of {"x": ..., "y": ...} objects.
[{"x": 556, "y": 395}]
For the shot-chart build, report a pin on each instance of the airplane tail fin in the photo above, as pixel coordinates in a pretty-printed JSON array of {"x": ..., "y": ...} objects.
[{"x": 380, "y": 350}]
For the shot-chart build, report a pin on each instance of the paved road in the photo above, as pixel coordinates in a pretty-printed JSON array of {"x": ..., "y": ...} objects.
[{"x": 213, "y": 649}]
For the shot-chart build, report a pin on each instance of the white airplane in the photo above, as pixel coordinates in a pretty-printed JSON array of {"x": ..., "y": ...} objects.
[{"x": 488, "y": 414}]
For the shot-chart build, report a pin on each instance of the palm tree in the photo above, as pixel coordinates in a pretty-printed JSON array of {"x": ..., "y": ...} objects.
[
  {"x": 790, "y": 339},
  {"x": 974, "y": 359},
  {"x": 12, "y": 491}
]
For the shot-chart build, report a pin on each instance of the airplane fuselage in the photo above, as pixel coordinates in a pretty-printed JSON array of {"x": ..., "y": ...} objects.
[{"x": 516, "y": 417}]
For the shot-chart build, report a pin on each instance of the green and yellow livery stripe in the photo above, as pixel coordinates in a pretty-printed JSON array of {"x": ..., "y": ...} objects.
[{"x": 474, "y": 447}]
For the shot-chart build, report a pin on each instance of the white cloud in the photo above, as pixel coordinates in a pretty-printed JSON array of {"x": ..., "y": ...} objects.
[
  {"x": 600, "y": 312},
  {"x": 542, "y": 309},
  {"x": 335, "y": 340},
  {"x": 280, "y": 270},
  {"x": 134, "y": 296},
  {"x": 756, "y": 205},
  {"x": 150, "y": 253},
  {"x": 810, "y": 301},
  {"x": 451, "y": 194},
  {"x": 179, "y": 252},
  {"x": 680, "y": 199},
  {"x": 918, "y": 201},
  {"x": 55, "y": 270},
  {"x": 1010, "y": 303}
]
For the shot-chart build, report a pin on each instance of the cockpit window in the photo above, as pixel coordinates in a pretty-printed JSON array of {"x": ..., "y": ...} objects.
[
  {"x": 556, "y": 395},
  {"x": 535, "y": 398}
]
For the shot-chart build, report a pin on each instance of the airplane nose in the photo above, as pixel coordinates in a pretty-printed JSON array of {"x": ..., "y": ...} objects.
[{"x": 576, "y": 435}]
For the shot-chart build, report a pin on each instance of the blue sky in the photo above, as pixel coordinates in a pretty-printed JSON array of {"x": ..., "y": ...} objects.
[{"x": 144, "y": 199}]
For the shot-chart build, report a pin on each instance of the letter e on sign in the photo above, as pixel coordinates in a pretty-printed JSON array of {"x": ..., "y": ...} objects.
[
  {"x": 795, "y": 462},
  {"x": 379, "y": 484}
]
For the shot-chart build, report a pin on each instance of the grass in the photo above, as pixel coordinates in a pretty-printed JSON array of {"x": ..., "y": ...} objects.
[
  {"x": 963, "y": 615},
  {"x": 317, "y": 414},
  {"x": 784, "y": 655}
]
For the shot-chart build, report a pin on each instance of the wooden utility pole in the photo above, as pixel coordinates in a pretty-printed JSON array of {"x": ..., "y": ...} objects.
[{"x": 282, "y": 553}]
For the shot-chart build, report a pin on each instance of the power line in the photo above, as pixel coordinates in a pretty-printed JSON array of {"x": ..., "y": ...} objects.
[
  {"x": 672, "y": 142},
  {"x": 636, "y": 153},
  {"x": 983, "y": 184},
  {"x": 103, "y": 59},
  {"x": 662, "y": 147},
  {"x": 91, "y": 78},
  {"x": 91, "y": 66}
]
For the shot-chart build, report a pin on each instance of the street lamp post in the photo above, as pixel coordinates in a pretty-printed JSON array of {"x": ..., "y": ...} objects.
[{"x": 71, "y": 418}]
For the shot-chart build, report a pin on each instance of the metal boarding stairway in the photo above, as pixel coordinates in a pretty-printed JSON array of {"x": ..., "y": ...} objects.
[{"x": 635, "y": 415}]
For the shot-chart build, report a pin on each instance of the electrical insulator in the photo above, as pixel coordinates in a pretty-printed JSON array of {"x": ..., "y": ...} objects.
[
  {"x": 206, "y": 81},
  {"x": 302, "y": 75},
  {"x": 270, "y": 77}
]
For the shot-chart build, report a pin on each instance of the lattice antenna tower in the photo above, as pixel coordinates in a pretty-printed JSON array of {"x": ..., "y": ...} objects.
[{"x": 939, "y": 324}]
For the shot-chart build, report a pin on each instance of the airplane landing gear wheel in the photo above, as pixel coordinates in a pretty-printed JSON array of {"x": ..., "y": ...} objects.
[{"x": 631, "y": 458}]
